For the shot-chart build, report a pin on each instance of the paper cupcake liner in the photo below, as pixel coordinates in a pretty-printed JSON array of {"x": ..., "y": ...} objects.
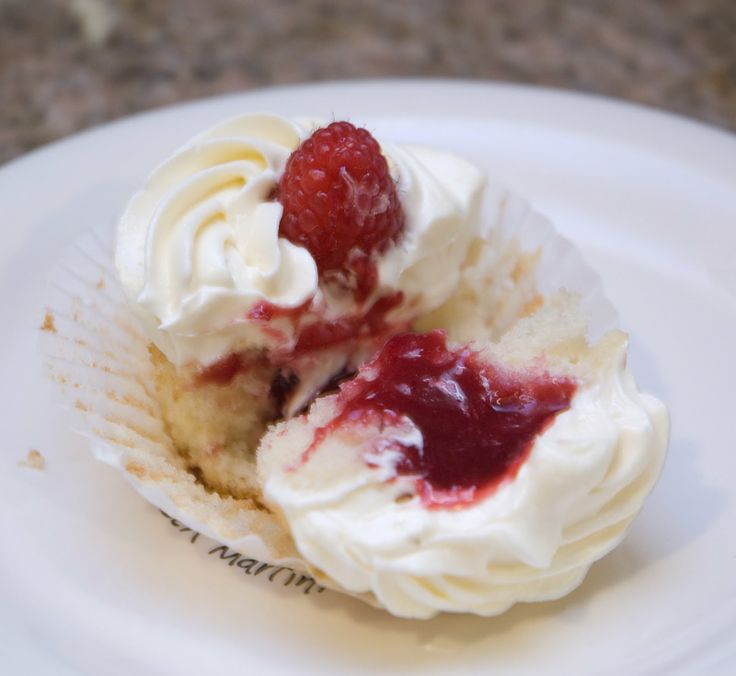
[
  {"x": 560, "y": 265},
  {"x": 99, "y": 358},
  {"x": 522, "y": 262}
]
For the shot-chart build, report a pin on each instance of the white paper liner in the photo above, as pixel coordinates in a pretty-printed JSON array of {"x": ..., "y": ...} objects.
[
  {"x": 560, "y": 265},
  {"x": 99, "y": 358}
]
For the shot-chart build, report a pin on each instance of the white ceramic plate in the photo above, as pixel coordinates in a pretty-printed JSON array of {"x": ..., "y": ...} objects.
[{"x": 93, "y": 580}]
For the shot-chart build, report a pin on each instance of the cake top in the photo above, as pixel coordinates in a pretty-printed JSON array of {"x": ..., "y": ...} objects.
[{"x": 229, "y": 223}]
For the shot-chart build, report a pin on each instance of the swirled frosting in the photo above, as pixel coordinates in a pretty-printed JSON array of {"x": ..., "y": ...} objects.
[
  {"x": 198, "y": 247},
  {"x": 533, "y": 539}
]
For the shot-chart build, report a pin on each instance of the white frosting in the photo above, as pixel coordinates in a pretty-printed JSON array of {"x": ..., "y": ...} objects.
[
  {"x": 198, "y": 247},
  {"x": 532, "y": 539}
]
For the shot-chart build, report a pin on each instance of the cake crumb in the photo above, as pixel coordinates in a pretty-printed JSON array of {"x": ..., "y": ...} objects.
[
  {"x": 101, "y": 284},
  {"x": 34, "y": 460},
  {"x": 136, "y": 469},
  {"x": 532, "y": 306},
  {"x": 48, "y": 323}
]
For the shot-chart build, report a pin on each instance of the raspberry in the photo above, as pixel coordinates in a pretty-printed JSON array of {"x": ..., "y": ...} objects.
[{"x": 340, "y": 200}]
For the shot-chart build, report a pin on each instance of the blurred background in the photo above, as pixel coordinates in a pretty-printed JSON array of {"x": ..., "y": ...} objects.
[{"x": 69, "y": 64}]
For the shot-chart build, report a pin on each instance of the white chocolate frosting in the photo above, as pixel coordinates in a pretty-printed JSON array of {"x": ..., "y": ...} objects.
[
  {"x": 532, "y": 539},
  {"x": 198, "y": 247}
]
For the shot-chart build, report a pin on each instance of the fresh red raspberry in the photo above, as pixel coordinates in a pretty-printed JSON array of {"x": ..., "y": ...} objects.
[{"x": 340, "y": 200}]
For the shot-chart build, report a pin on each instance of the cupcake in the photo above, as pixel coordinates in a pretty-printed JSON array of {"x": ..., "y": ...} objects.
[{"x": 359, "y": 359}]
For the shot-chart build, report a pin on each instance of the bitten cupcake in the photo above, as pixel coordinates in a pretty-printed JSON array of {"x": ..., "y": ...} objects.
[{"x": 361, "y": 360}]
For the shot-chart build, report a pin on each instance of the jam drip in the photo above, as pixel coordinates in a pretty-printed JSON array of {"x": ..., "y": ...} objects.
[
  {"x": 478, "y": 422},
  {"x": 312, "y": 336},
  {"x": 223, "y": 370},
  {"x": 321, "y": 334}
]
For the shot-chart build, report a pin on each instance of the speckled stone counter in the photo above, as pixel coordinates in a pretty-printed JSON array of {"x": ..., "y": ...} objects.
[{"x": 69, "y": 64}]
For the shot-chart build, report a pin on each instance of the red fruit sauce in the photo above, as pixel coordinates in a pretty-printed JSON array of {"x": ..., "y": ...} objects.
[
  {"x": 322, "y": 334},
  {"x": 327, "y": 333},
  {"x": 222, "y": 371},
  {"x": 311, "y": 337},
  {"x": 478, "y": 422}
]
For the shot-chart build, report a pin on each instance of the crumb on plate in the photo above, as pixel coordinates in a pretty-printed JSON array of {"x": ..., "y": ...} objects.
[
  {"x": 34, "y": 460},
  {"x": 48, "y": 322}
]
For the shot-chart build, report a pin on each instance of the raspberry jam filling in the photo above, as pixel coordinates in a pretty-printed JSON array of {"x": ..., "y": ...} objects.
[
  {"x": 222, "y": 371},
  {"x": 312, "y": 336},
  {"x": 478, "y": 422},
  {"x": 321, "y": 334}
]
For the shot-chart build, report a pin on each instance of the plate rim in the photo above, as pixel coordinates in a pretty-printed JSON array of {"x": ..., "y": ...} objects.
[{"x": 633, "y": 110}]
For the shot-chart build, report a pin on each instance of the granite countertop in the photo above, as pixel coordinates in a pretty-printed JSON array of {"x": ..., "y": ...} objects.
[{"x": 69, "y": 64}]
